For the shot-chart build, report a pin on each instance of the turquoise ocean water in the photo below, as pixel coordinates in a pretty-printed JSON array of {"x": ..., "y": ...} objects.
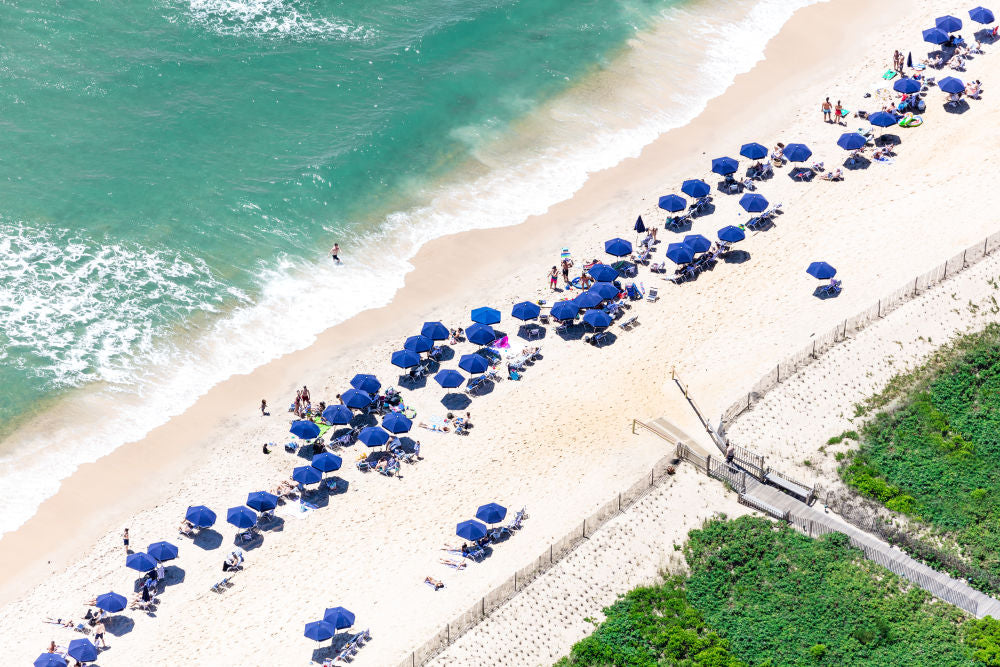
[{"x": 174, "y": 170}]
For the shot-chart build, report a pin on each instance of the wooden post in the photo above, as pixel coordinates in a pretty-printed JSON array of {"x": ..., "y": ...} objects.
[{"x": 708, "y": 464}]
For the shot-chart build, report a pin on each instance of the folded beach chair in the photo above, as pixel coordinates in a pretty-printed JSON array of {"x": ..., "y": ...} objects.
[
  {"x": 222, "y": 585},
  {"x": 627, "y": 324},
  {"x": 633, "y": 292},
  {"x": 652, "y": 295},
  {"x": 515, "y": 523}
]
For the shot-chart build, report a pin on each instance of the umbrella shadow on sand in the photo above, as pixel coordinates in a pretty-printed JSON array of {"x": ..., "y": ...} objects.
[
  {"x": 119, "y": 625},
  {"x": 736, "y": 257},
  {"x": 456, "y": 401},
  {"x": 823, "y": 293},
  {"x": 525, "y": 331},
  {"x": 958, "y": 107},
  {"x": 208, "y": 539}
]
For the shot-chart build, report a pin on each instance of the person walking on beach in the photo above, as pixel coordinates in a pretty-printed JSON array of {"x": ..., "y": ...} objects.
[
  {"x": 263, "y": 407},
  {"x": 99, "y": 634},
  {"x": 553, "y": 278},
  {"x": 837, "y": 110},
  {"x": 125, "y": 540},
  {"x": 335, "y": 253},
  {"x": 827, "y": 110},
  {"x": 565, "y": 272}
]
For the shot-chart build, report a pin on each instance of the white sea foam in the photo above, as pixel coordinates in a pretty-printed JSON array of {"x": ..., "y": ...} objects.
[
  {"x": 278, "y": 18},
  {"x": 594, "y": 126}
]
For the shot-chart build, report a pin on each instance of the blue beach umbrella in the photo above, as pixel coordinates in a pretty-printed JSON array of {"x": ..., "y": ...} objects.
[
  {"x": 418, "y": 344},
  {"x": 981, "y": 15},
  {"x": 587, "y": 299},
  {"x": 697, "y": 243},
  {"x": 753, "y": 203},
  {"x": 948, "y": 23},
  {"x": 396, "y": 422},
  {"x": 935, "y": 36},
  {"x": 851, "y": 141},
  {"x": 564, "y": 310},
  {"x": 821, "y": 270},
  {"x": 49, "y": 660},
  {"x": 797, "y": 152},
  {"x": 111, "y": 602},
  {"x": 678, "y": 253},
  {"x": 373, "y": 436},
  {"x": 603, "y": 273},
  {"x": 950, "y": 84},
  {"x": 162, "y": 551},
  {"x": 304, "y": 429},
  {"x": 355, "y": 398},
  {"x": 605, "y": 290},
  {"x": 471, "y": 530},
  {"x": 618, "y": 247},
  {"x": 307, "y": 475},
  {"x": 82, "y": 650},
  {"x": 597, "y": 319},
  {"x": 200, "y": 516},
  {"x": 486, "y": 315},
  {"x": 450, "y": 379},
  {"x": 141, "y": 562},
  {"x": 882, "y": 119},
  {"x": 434, "y": 331},
  {"x": 324, "y": 462},
  {"x": 525, "y": 311},
  {"x": 672, "y": 203},
  {"x": 481, "y": 334},
  {"x": 731, "y": 234},
  {"x": 473, "y": 363},
  {"x": 339, "y": 617},
  {"x": 695, "y": 188},
  {"x": 405, "y": 359},
  {"x": 242, "y": 517},
  {"x": 366, "y": 382},
  {"x": 906, "y": 86},
  {"x": 724, "y": 165},
  {"x": 491, "y": 513},
  {"x": 337, "y": 414},
  {"x": 753, "y": 151},
  {"x": 262, "y": 501},
  {"x": 319, "y": 631},
  {"x": 639, "y": 225}
]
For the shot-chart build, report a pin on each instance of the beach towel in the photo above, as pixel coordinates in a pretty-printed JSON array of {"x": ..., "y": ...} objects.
[
  {"x": 889, "y": 74},
  {"x": 501, "y": 343}
]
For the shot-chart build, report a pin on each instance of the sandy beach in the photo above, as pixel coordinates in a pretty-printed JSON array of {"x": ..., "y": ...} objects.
[{"x": 559, "y": 441}]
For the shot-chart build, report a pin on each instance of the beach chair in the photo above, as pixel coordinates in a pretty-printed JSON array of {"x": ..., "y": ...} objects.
[
  {"x": 221, "y": 586},
  {"x": 476, "y": 553},
  {"x": 474, "y": 385},
  {"x": 642, "y": 257},
  {"x": 633, "y": 292},
  {"x": 519, "y": 517},
  {"x": 363, "y": 465},
  {"x": 534, "y": 332},
  {"x": 833, "y": 288},
  {"x": 653, "y": 295},
  {"x": 629, "y": 323}
]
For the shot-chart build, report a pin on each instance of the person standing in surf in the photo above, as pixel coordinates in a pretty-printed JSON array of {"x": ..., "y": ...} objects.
[{"x": 335, "y": 253}]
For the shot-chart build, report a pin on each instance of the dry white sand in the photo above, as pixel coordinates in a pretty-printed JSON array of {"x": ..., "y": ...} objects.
[{"x": 559, "y": 441}]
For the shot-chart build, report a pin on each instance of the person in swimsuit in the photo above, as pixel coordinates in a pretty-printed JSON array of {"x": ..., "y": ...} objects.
[
  {"x": 125, "y": 540},
  {"x": 263, "y": 407},
  {"x": 827, "y": 110},
  {"x": 837, "y": 112},
  {"x": 99, "y": 635},
  {"x": 553, "y": 277},
  {"x": 565, "y": 271},
  {"x": 335, "y": 253}
]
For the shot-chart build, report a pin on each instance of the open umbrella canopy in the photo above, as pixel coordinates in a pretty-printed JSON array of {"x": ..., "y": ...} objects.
[
  {"x": 935, "y": 36},
  {"x": 337, "y": 414},
  {"x": 673, "y": 203},
  {"x": 678, "y": 253},
  {"x": 434, "y": 331},
  {"x": 324, "y": 462},
  {"x": 906, "y": 86},
  {"x": 697, "y": 243},
  {"x": 753, "y": 203},
  {"x": 981, "y": 15},
  {"x": 111, "y": 602},
  {"x": 262, "y": 501},
  {"x": 82, "y": 650},
  {"x": 603, "y": 273},
  {"x": 302, "y": 428},
  {"x": 753, "y": 151},
  {"x": 481, "y": 334},
  {"x": 242, "y": 517},
  {"x": 950, "y": 84},
  {"x": 418, "y": 344},
  {"x": 695, "y": 188},
  {"x": 49, "y": 660},
  {"x": 396, "y": 422},
  {"x": 319, "y": 631},
  {"x": 200, "y": 516},
  {"x": 525, "y": 310},
  {"x": 405, "y": 359},
  {"x": 604, "y": 290},
  {"x": 851, "y": 141},
  {"x": 587, "y": 299},
  {"x": 373, "y": 436},
  {"x": 471, "y": 530},
  {"x": 162, "y": 551},
  {"x": 366, "y": 382},
  {"x": 639, "y": 225},
  {"x": 564, "y": 310},
  {"x": 724, "y": 165},
  {"x": 797, "y": 152},
  {"x": 731, "y": 234},
  {"x": 449, "y": 379},
  {"x": 821, "y": 270},
  {"x": 491, "y": 513},
  {"x": 948, "y": 23},
  {"x": 355, "y": 398},
  {"x": 486, "y": 315},
  {"x": 339, "y": 617},
  {"x": 882, "y": 119},
  {"x": 597, "y": 319},
  {"x": 618, "y": 247},
  {"x": 141, "y": 562},
  {"x": 473, "y": 363},
  {"x": 307, "y": 475}
]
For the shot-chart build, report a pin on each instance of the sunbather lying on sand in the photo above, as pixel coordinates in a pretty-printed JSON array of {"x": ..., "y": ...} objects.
[
  {"x": 434, "y": 583},
  {"x": 458, "y": 565},
  {"x": 433, "y": 427},
  {"x": 65, "y": 622},
  {"x": 186, "y": 528},
  {"x": 835, "y": 175}
]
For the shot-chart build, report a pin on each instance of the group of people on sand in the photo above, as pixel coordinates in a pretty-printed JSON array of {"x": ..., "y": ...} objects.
[
  {"x": 302, "y": 404},
  {"x": 832, "y": 113}
]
